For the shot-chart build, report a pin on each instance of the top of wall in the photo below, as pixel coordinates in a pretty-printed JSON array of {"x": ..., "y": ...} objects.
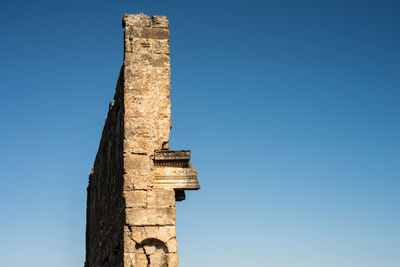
[{"x": 142, "y": 20}]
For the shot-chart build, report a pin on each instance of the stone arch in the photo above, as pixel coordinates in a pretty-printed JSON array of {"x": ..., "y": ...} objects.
[{"x": 156, "y": 252}]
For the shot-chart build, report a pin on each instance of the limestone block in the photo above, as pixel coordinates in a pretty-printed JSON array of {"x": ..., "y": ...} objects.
[
  {"x": 165, "y": 233},
  {"x": 172, "y": 260},
  {"x": 154, "y": 33},
  {"x": 147, "y": 80},
  {"x": 141, "y": 260},
  {"x": 136, "y": 20},
  {"x": 135, "y": 198},
  {"x": 147, "y": 137},
  {"x": 160, "y": 115},
  {"x": 157, "y": 258},
  {"x": 143, "y": 45},
  {"x": 138, "y": 60},
  {"x": 134, "y": 235},
  {"x": 139, "y": 233},
  {"x": 150, "y": 216},
  {"x": 134, "y": 162},
  {"x": 145, "y": 145},
  {"x": 172, "y": 245},
  {"x": 151, "y": 231},
  {"x": 160, "y": 21},
  {"x": 162, "y": 198},
  {"x": 132, "y": 32},
  {"x": 129, "y": 259},
  {"x": 135, "y": 180},
  {"x": 129, "y": 243}
]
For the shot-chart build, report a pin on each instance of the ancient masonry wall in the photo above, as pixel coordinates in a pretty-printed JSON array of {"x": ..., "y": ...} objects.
[{"x": 131, "y": 222}]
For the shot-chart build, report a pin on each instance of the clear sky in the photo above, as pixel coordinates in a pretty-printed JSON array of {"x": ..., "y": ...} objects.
[{"x": 291, "y": 110}]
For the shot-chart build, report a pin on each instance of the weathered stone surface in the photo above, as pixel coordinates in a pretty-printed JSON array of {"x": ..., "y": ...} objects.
[
  {"x": 144, "y": 45},
  {"x": 137, "y": 162},
  {"x": 161, "y": 198},
  {"x": 175, "y": 177},
  {"x": 151, "y": 231},
  {"x": 105, "y": 214},
  {"x": 135, "y": 234},
  {"x": 137, "y": 20},
  {"x": 160, "y": 21},
  {"x": 139, "y": 233},
  {"x": 130, "y": 212},
  {"x": 130, "y": 243},
  {"x": 135, "y": 198},
  {"x": 165, "y": 233},
  {"x": 140, "y": 259},
  {"x": 172, "y": 245},
  {"x": 150, "y": 216},
  {"x": 132, "y": 32},
  {"x": 172, "y": 157},
  {"x": 137, "y": 180},
  {"x": 172, "y": 260},
  {"x": 153, "y": 62}
]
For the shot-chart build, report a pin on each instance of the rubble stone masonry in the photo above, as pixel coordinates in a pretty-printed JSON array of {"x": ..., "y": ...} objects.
[{"x": 131, "y": 222}]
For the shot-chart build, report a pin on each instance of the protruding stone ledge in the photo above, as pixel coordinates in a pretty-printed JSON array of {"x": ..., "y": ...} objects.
[
  {"x": 172, "y": 170},
  {"x": 171, "y": 157},
  {"x": 169, "y": 177}
]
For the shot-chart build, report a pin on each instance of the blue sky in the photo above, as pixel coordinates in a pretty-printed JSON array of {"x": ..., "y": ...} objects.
[{"x": 291, "y": 110}]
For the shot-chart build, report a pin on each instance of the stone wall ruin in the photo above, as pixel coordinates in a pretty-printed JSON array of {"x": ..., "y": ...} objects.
[{"x": 136, "y": 179}]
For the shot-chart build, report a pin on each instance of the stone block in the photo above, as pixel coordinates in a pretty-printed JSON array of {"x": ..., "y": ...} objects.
[
  {"x": 129, "y": 243},
  {"x": 134, "y": 235},
  {"x": 161, "y": 198},
  {"x": 154, "y": 33},
  {"x": 134, "y": 180},
  {"x": 129, "y": 259},
  {"x": 151, "y": 231},
  {"x": 150, "y": 216},
  {"x": 139, "y": 233},
  {"x": 143, "y": 45},
  {"x": 172, "y": 245},
  {"x": 146, "y": 33},
  {"x": 147, "y": 81},
  {"x": 172, "y": 260},
  {"x": 140, "y": 60},
  {"x": 160, "y": 21},
  {"x": 134, "y": 162},
  {"x": 141, "y": 260},
  {"x": 135, "y": 198},
  {"x": 136, "y": 20},
  {"x": 165, "y": 233}
]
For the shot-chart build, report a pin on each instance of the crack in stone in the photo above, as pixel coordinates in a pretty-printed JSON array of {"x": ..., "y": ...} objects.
[{"x": 147, "y": 257}]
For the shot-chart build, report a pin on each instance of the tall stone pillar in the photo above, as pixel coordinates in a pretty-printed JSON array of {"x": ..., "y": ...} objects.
[{"x": 136, "y": 179}]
